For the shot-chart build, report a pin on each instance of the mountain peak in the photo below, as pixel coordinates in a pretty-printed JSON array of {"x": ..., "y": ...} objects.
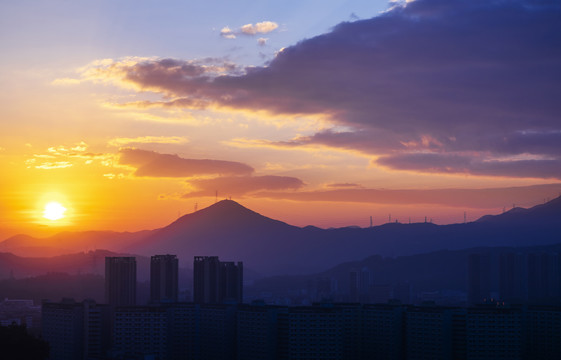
[{"x": 224, "y": 213}]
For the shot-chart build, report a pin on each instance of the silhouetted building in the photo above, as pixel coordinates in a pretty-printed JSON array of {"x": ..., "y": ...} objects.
[
  {"x": 311, "y": 332},
  {"x": 215, "y": 281},
  {"x": 120, "y": 281},
  {"x": 76, "y": 330},
  {"x": 543, "y": 277},
  {"x": 382, "y": 331},
  {"x": 479, "y": 278},
  {"x": 494, "y": 332},
  {"x": 163, "y": 278},
  {"x": 184, "y": 331},
  {"x": 512, "y": 277},
  {"x": 360, "y": 282},
  {"x": 380, "y": 293},
  {"x": 542, "y": 333},
  {"x": 402, "y": 292},
  {"x": 428, "y": 333},
  {"x": 141, "y": 332},
  {"x": 218, "y": 331},
  {"x": 257, "y": 328}
]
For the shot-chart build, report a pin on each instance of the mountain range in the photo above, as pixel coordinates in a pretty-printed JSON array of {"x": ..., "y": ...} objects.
[{"x": 235, "y": 233}]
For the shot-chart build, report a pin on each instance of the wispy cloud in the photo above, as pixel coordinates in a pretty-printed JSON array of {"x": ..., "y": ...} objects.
[
  {"x": 53, "y": 165},
  {"x": 64, "y": 156},
  {"x": 242, "y": 185},
  {"x": 123, "y": 141}
]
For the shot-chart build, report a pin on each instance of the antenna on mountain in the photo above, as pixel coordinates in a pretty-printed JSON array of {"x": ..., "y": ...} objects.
[
  {"x": 465, "y": 215},
  {"x": 196, "y": 207},
  {"x": 216, "y": 197},
  {"x": 409, "y": 219},
  {"x": 504, "y": 209},
  {"x": 431, "y": 220},
  {"x": 513, "y": 205},
  {"x": 371, "y": 221},
  {"x": 425, "y": 219},
  {"x": 178, "y": 214},
  {"x": 390, "y": 218}
]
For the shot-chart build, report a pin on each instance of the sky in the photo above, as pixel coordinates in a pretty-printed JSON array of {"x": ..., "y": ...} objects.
[{"x": 132, "y": 113}]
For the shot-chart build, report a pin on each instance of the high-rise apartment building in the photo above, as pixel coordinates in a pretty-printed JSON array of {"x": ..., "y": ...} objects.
[
  {"x": 76, "y": 330},
  {"x": 479, "y": 278},
  {"x": 163, "y": 278},
  {"x": 215, "y": 281},
  {"x": 120, "y": 281}
]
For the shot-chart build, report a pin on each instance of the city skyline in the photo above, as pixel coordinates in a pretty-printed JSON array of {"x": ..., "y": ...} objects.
[{"x": 125, "y": 116}]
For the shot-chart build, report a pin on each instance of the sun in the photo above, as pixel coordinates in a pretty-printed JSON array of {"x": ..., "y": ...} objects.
[{"x": 54, "y": 211}]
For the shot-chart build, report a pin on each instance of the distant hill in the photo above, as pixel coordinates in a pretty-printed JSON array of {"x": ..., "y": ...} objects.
[
  {"x": 93, "y": 262},
  {"x": 433, "y": 271},
  {"x": 235, "y": 233},
  {"x": 71, "y": 242}
]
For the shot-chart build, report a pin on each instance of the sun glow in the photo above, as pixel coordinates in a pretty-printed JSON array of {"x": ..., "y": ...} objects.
[{"x": 54, "y": 211}]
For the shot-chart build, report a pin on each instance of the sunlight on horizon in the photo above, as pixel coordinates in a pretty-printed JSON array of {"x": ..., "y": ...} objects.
[{"x": 54, "y": 211}]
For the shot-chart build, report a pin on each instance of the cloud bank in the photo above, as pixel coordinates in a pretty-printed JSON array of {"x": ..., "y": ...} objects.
[
  {"x": 439, "y": 86},
  {"x": 153, "y": 164}
]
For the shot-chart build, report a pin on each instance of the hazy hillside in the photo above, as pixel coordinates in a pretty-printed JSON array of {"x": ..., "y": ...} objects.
[
  {"x": 269, "y": 247},
  {"x": 233, "y": 232},
  {"x": 71, "y": 242}
]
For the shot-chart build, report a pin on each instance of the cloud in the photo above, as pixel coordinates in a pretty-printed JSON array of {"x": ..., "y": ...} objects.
[
  {"x": 262, "y": 41},
  {"x": 263, "y": 27},
  {"x": 465, "y": 79},
  {"x": 118, "y": 142},
  {"x": 63, "y": 156},
  {"x": 153, "y": 164},
  {"x": 227, "y": 33},
  {"x": 470, "y": 198},
  {"x": 453, "y": 163},
  {"x": 241, "y": 185},
  {"x": 53, "y": 165}
]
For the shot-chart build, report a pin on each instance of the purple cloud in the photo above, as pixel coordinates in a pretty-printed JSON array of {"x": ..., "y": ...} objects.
[
  {"x": 153, "y": 164},
  {"x": 241, "y": 185},
  {"x": 448, "y": 76},
  {"x": 452, "y": 163}
]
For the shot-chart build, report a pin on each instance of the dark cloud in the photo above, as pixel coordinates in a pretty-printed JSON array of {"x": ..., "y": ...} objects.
[
  {"x": 479, "y": 76},
  {"x": 241, "y": 185},
  {"x": 451, "y": 163},
  {"x": 150, "y": 163}
]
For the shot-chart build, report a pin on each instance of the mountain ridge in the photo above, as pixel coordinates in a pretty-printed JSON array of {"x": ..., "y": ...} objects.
[{"x": 233, "y": 232}]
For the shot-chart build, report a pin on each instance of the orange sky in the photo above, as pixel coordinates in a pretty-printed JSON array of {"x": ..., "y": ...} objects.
[{"x": 129, "y": 122}]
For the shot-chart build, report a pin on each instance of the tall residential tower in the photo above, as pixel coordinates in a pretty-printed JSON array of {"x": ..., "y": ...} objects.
[
  {"x": 163, "y": 278},
  {"x": 120, "y": 281},
  {"x": 215, "y": 281}
]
